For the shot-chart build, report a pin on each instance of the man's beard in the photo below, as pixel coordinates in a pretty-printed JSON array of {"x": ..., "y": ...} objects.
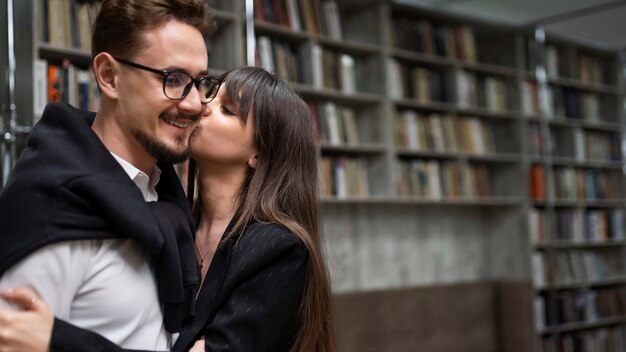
[{"x": 159, "y": 150}]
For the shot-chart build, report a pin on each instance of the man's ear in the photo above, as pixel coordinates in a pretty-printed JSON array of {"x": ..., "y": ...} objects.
[
  {"x": 105, "y": 69},
  {"x": 253, "y": 160}
]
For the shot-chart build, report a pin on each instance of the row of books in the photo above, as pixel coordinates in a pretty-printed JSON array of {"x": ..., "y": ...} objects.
[
  {"x": 530, "y": 103},
  {"x": 589, "y": 68},
  {"x": 434, "y": 38},
  {"x": 576, "y": 225},
  {"x": 555, "y": 63},
  {"x": 443, "y": 133},
  {"x": 344, "y": 177},
  {"x": 573, "y": 103},
  {"x": 481, "y": 91},
  {"x": 611, "y": 339},
  {"x": 578, "y": 143},
  {"x": 334, "y": 69},
  {"x": 561, "y": 102},
  {"x": 579, "y": 306},
  {"x": 336, "y": 124},
  {"x": 313, "y": 16},
  {"x": 576, "y": 183},
  {"x": 281, "y": 57},
  {"x": 429, "y": 84},
  {"x": 597, "y": 145},
  {"x": 66, "y": 23},
  {"x": 424, "y": 84},
  {"x": 576, "y": 267},
  {"x": 63, "y": 83},
  {"x": 432, "y": 179}
]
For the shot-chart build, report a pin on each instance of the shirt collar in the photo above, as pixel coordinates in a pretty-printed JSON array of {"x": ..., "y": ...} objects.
[{"x": 145, "y": 183}]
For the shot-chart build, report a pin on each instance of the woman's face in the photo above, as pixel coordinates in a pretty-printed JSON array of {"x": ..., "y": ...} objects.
[{"x": 222, "y": 137}]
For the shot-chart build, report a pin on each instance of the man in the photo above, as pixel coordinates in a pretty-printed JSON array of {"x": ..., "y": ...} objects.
[{"x": 80, "y": 220}]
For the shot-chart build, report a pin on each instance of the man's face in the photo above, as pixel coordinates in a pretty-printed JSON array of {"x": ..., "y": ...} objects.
[{"x": 157, "y": 124}]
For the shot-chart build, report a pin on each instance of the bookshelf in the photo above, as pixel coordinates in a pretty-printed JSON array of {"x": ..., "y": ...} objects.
[
  {"x": 444, "y": 158},
  {"x": 577, "y": 199}
]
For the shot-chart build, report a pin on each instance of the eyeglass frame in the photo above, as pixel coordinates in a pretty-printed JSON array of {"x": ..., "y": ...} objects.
[{"x": 194, "y": 80}]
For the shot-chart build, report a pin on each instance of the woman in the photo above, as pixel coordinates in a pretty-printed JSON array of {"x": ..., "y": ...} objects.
[{"x": 254, "y": 189}]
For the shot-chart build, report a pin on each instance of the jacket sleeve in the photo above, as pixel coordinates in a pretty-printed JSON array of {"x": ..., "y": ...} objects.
[
  {"x": 70, "y": 338},
  {"x": 259, "y": 313}
]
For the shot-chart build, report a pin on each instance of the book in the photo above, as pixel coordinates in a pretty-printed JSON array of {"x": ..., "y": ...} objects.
[
  {"x": 310, "y": 20},
  {"x": 317, "y": 66},
  {"x": 394, "y": 79},
  {"x": 54, "y": 84},
  {"x": 537, "y": 183},
  {"x": 410, "y": 125},
  {"x": 331, "y": 13},
  {"x": 83, "y": 90},
  {"x": 530, "y": 98},
  {"x": 421, "y": 84},
  {"x": 425, "y": 30},
  {"x": 293, "y": 11},
  {"x": 469, "y": 44},
  {"x": 85, "y": 22},
  {"x": 436, "y": 132},
  {"x": 340, "y": 179},
  {"x": 552, "y": 61},
  {"x": 580, "y": 150},
  {"x": 347, "y": 75},
  {"x": 535, "y": 226},
  {"x": 327, "y": 176},
  {"x": 538, "y": 267},
  {"x": 350, "y": 126},
  {"x": 40, "y": 88},
  {"x": 266, "y": 55},
  {"x": 332, "y": 123}
]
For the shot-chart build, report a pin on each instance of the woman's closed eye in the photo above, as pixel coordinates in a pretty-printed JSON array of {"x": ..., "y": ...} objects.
[{"x": 228, "y": 110}]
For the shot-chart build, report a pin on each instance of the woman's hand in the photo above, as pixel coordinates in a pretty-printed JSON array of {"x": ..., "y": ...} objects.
[
  {"x": 27, "y": 330},
  {"x": 198, "y": 346}
]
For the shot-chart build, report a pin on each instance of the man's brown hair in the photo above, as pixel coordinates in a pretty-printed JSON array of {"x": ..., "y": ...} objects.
[{"x": 119, "y": 24}]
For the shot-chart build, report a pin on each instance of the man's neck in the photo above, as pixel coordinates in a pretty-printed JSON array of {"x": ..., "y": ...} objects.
[{"x": 115, "y": 141}]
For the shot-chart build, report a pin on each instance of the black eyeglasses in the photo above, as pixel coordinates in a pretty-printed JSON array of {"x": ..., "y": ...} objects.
[{"x": 177, "y": 84}]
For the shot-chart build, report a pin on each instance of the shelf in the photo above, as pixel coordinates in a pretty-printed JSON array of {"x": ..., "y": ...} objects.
[
  {"x": 509, "y": 72},
  {"x": 573, "y": 122},
  {"x": 583, "y": 285},
  {"x": 363, "y": 149},
  {"x": 595, "y": 164},
  {"x": 566, "y": 245},
  {"x": 358, "y": 98},
  {"x": 350, "y": 47},
  {"x": 582, "y": 203},
  {"x": 406, "y": 201},
  {"x": 487, "y": 158},
  {"x": 572, "y": 327},
  {"x": 283, "y": 32},
  {"x": 56, "y": 55},
  {"x": 600, "y": 88}
]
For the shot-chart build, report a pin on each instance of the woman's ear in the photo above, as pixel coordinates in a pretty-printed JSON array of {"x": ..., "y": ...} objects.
[
  {"x": 253, "y": 160},
  {"x": 105, "y": 71}
]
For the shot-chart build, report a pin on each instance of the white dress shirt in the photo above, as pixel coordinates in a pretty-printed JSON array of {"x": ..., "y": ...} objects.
[{"x": 106, "y": 286}]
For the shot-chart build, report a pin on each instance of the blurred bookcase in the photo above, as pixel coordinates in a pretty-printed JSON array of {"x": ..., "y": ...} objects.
[
  {"x": 451, "y": 149},
  {"x": 573, "y": 109}
]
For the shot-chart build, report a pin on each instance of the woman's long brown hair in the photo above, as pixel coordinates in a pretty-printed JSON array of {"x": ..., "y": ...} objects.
[{"x": 283, "y": 189}]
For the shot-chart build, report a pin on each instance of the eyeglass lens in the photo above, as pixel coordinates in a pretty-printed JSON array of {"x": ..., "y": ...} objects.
[{"x": 176, "y": 85}]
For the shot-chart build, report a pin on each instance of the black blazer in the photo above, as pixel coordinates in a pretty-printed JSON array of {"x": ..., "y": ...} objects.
[
  {"x": 248, "y": 302},
  {"x": 251, "y": 294},
  {"x": 66, "y": 186}
]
